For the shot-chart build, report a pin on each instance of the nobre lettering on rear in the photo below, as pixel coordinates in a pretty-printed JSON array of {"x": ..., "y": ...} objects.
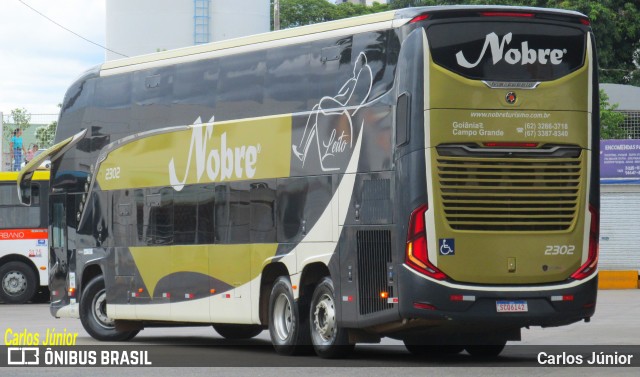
[{"x": 522, "y": 55}]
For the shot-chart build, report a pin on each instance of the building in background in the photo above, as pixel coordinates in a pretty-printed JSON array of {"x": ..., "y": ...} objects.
[
  {"x": 620, "y": 186},
  {"x": 627, "y": 98},
  {"x": 146, "y": 26}
]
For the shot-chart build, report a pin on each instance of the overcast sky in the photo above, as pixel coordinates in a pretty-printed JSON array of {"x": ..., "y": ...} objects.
[{"x": 39, "y": 60}]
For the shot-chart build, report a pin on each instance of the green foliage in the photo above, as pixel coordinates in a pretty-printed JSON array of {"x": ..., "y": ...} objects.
[
  {"x": 616, "y": 25},
  {"x": 298, "y": 13},
  {"x": 20, "y": 118},
  {"x": 45, "y": 135},
  {"x": 610, "y": 120}
]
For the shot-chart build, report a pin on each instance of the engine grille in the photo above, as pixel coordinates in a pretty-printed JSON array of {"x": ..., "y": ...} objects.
[
  {"x": 509, "y": 190},
  {"x": 374, "y": 254}
]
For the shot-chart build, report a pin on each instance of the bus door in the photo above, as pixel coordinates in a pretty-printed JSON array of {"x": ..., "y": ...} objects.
[{"x": 58, "y": 257}]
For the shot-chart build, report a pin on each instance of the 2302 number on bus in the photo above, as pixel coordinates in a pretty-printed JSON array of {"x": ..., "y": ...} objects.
[{"x": 559, "y": 249}]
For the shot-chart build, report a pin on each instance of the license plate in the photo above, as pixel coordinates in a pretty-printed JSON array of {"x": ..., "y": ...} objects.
[{"x": 512, "y": 306}]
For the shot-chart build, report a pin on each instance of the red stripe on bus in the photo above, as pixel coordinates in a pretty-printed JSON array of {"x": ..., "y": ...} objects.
[{"x": 24, "y": 234}]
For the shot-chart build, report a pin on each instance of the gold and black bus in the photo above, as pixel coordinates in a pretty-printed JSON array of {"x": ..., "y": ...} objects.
[{"x": 427, "y": 174}]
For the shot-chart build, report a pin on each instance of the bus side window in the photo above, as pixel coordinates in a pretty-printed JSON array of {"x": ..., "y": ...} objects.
[
  {"x": 206, "y": 212},
  {"x": 263, "y": 212},
  {"x": 141, "y": 220},
  {"x": 185, "y": 215},
  {"x": 13, "y": 214},
  {"x": 239, "y": 212},
  {"x": 403, "y": 110},
  {"x": 221, "y": 213},
  {"x": 160, "y": 229}
]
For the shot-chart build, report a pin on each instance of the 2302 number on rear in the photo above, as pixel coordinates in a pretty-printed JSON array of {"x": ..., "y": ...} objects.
[{"x": 559, "y": 249}]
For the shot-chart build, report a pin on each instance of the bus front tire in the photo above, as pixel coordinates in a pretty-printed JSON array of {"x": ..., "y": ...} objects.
[
  {"x": 17, "y": 283},
  {"x": 288, "y": 330},
  {"x": 229, "y": 331},
  {"x": 329, "y": 340},
  {"x": 93, "y": 314}
]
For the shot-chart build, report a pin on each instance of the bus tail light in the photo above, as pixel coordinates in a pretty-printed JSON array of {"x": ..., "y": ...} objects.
[
  {"x": 419, "y": 18},
  {"x": 417, "y": 256},
  {"x": 589, "y": 267},
  {"x": 507, "y": 14}
]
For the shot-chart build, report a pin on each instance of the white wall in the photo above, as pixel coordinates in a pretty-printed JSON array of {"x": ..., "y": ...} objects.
[
  {"x": 137, "y": 27},
  {"x": 237, "y": 18}
]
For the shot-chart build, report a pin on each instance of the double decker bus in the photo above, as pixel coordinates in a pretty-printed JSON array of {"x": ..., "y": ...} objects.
[
  {"x": 426, "y": 174},
  {"x": 24, "y": 253}
]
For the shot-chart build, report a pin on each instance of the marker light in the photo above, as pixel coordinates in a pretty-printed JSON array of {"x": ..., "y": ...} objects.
[
  {"x": 384, "y": 295},
  {"x": 423, "y": 305},
  {"x": 506, "y": 144},
  {"x": 507, "y": 14}
]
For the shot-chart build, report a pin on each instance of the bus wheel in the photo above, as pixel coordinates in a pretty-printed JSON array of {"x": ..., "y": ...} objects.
[
  {"x": 485, "y": 351},
  {"x": 289, "y": 332},
  {"x": 329, "y": 340},
  {"x": 228, "y": 331},
  {"x": 93, "y": 314},
  {"x": 18, "y": 283}
]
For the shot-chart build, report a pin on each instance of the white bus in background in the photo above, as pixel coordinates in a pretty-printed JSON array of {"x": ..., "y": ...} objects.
[{"x": 24, "y": 251}]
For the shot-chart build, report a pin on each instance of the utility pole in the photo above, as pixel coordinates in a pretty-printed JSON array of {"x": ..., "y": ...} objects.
[{"x": 276, "y": 14}]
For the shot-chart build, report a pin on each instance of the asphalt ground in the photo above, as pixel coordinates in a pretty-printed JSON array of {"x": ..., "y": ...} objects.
[{"x": 614, "y": 330}]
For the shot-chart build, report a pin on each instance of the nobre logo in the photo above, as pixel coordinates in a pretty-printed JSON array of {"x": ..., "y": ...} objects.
[
  {"x": 524, "y": 55},
  {"x": 223, "y": 163}
]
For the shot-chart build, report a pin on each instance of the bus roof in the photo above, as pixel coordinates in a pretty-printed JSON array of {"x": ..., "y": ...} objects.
[
  {"x": 375, "y": 21},
  {"x": 12, "y": 176}
]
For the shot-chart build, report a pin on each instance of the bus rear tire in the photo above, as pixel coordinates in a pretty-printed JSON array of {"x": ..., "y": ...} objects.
[
  {"x": 17, "y": 283},
  {"x": 288, "y": 330},
  {"x": 329, "y": 340},
  {"x": 229, "y": 331},
  {"x": 93, "y": 314}
]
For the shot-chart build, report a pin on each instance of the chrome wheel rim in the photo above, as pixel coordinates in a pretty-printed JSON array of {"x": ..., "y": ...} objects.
[
  {"x": 14, "y": 283},
  {"x": 324, "y": 318},
  {"x": 283, "y": 317},
  {"x": 99, "y": 305}
]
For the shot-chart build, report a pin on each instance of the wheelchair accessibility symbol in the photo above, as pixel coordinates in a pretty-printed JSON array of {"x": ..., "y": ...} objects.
[{"x": 447, "y": 246}]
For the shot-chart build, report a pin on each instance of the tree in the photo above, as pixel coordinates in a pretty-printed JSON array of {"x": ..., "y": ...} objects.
[
  {"x": 45, "y": 135},
  {"x": 305, "y": 12},
  {"x": 610, "y": 120},
  {"x": 21, "y": 119}
]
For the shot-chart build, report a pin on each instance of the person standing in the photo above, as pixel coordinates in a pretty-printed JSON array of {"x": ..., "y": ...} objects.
[
  {"x": 31, "y": 153},
  {"x": 17, "y": 148}
]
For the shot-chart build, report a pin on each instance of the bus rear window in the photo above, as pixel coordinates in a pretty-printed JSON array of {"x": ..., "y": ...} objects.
[{"x": 507, "y": 51}]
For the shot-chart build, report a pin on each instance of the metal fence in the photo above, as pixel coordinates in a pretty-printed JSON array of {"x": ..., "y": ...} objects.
[
  {"x": 632, "y": 124},
  {"x": 28, "y": 136}
]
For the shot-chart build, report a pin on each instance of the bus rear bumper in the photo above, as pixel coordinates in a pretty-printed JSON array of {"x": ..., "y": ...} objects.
[
  {"x": 480, "y": 306},
  {"x": 65, "y": 311}
]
